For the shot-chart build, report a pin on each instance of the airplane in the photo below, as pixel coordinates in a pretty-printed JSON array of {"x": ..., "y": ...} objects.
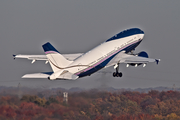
[{"x": 116, "y": 50}]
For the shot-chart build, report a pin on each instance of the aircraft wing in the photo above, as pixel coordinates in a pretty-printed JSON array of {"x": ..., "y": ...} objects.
[
  {"x": 70, "y": 57},
  {"x": 122, "y": 57}
]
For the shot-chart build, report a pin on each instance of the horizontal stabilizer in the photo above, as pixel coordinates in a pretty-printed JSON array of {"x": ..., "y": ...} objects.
[{"x": 38, "y": 75}]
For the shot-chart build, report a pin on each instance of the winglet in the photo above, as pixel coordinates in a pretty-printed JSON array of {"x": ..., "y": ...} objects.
[
  {"x": 157, "y": 61},
  {"x": 14, "y": 56}
]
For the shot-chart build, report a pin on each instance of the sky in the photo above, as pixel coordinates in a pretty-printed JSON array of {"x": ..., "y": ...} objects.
[{"x": 76, "y": 26}]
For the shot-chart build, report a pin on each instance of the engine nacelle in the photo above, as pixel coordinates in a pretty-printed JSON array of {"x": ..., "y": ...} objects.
[{"x": 141, "y": 54}]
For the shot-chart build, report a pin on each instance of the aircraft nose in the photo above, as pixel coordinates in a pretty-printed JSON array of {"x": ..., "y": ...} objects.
[{"x": 141, "y": 36}]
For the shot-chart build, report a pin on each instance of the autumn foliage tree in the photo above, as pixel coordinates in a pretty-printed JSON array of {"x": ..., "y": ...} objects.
[{"x": 93, "y": 105}]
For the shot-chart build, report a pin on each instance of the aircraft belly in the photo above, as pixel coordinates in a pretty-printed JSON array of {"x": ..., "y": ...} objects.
[{"x": 97, "y": 67}]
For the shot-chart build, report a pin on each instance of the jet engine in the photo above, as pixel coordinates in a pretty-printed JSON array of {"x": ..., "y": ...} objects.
[
  {"x": 143, "y": 54},
  {"x": 140, "y": 54}
]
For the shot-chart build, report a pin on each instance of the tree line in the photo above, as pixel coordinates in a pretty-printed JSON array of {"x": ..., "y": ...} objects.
[{"x": 93, "y": 105}]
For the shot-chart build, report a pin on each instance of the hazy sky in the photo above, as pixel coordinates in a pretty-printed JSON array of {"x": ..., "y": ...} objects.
[{"x": 74, "y": 26}]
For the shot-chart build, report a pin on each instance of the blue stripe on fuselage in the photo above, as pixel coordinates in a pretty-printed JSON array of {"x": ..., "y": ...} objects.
[{"x": 104, "y": 63}]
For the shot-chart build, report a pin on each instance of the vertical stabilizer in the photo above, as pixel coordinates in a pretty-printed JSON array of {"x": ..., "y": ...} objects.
[{"x": 56, "y": 60}]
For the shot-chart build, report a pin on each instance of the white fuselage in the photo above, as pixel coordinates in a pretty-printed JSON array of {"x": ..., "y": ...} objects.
[{"x": 101, "y": 53}]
